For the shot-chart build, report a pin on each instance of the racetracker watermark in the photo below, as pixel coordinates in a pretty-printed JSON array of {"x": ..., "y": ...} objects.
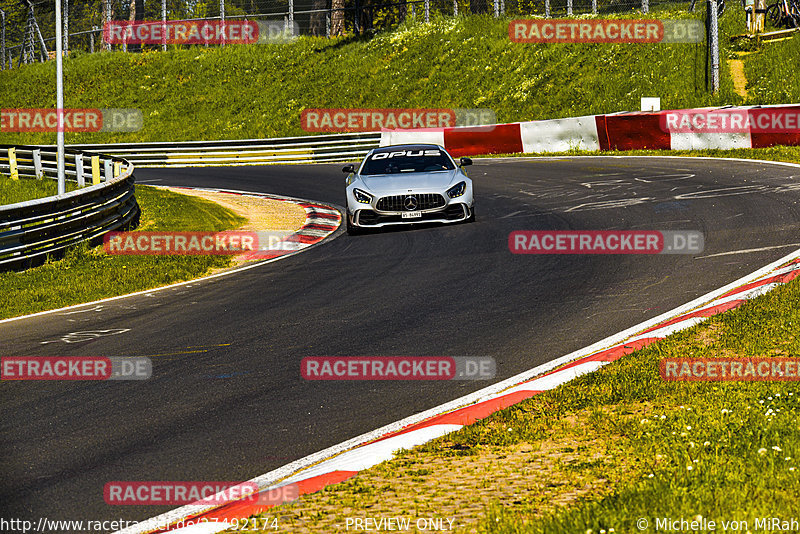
[
  {"x": 605, "y": 242},
  {"x": 730, "y": 369},
  {"x": 75, "y": 368},
  {"x": 398, "y": 368},
  {"x": 198, "y": 32},
  {"x": 606, "y": 31},
  {"x": 73, "y": 120},
  {"x": 772, "y": 120},
  {"x": 195, "y": 492},
  {"x": 372, "y": 120}
]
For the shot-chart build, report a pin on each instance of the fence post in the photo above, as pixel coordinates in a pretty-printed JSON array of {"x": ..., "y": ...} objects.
[
  {"x": 2, "y": 40},
  {"x": 95, "y": 170},
  {"x": 547, "y": 9},
  {"x": 496, "y": 8},
  {"x": 594, "y": 7},
  {"x": 427, "y": 11},
  {"x": 79, "y": 170},
  {"x": 645, "y": 6},
  {"x": 222, "y": 18},
  {"x": 455, "y": 8},
  {"x": 163, "y": 25},
  {"x": 107, "y": 46},
  {"x": 713, "y": 29},
  {"x": 569, "y": 8},
  {"x": 37, "y": 164},
  {"x": 12, "y": 163},
  {"x": 107, "y": 170},
  {"x": 91, "y": 39},
  {"x": 66, "y": 25},
  {"x": 291, "y": 17}
]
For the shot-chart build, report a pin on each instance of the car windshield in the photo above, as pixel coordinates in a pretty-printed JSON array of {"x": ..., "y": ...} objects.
[{"x": 404, "y": 161}]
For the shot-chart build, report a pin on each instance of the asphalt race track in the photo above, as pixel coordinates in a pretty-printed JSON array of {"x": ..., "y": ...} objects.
[{"x": 226, "y": 401}]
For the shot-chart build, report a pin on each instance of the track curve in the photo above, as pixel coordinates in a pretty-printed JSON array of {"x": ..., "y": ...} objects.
[{"x": 226, "y": 401}]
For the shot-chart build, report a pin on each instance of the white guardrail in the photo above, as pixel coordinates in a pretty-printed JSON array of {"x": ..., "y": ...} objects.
[{"x": 306, "y": 149}]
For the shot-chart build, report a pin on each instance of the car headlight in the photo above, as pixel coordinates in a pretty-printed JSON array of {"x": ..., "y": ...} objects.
[
  {"x": 457, "y": 190},
  {"x": 361, "y": 196}
]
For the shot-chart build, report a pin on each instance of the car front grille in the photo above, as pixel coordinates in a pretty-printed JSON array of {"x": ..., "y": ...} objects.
[{"x": 425, "y": 201}]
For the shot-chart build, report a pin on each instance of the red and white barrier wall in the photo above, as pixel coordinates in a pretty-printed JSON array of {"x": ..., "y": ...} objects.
[{"x": 687, "y": 129}]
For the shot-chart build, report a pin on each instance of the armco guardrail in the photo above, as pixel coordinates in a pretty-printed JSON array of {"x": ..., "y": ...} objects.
[
  {"x": 32, "y": 230},
  {"x": 306, "y": 149}
]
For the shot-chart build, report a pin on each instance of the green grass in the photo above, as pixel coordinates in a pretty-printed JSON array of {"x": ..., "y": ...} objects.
[
  {"x": 465, "y": 62},
  {"x": 86, "y": 274},
  {"x": 13, "y": 191},
  {"x": 725, "y": 451}
]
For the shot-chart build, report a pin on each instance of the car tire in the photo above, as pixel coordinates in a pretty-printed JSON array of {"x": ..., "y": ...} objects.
[{"x": 352, "y": 230}]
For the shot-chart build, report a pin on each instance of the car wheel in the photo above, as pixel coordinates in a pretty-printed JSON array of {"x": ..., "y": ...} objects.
[{"x": 352, "y": 230}]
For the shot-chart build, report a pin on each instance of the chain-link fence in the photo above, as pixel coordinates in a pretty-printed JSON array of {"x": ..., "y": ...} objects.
[{"x": 27, "y": 27}]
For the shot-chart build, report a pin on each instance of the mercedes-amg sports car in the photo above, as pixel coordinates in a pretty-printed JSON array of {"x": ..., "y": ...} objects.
[{"x": 407, "y": 184}]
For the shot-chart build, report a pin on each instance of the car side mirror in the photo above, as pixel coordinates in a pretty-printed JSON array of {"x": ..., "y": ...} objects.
[
  {"x": 349, "y": 168},
  {"x": 465, "y": 162}
]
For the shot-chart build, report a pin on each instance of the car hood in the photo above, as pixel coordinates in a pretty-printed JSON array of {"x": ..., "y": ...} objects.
[{"x": 414, "y": 182}]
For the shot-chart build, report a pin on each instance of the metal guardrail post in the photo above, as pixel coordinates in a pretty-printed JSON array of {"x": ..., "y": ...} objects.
[
  {"x": 455, "y": 8},
  {"x": 291, "y": 17},
  {"x": 569, "y": 8},
  {"x": 427, "y": 11},
  {"x": 107, "y": 170},
  {"x": 645, "y": 6},
  {"x": 594, "y": 7},
  {"x": 12, "y": 164},
  {"x": 496, "y": 8},
  {"x": 547, "y": 9},
  {"x": 95, "y": 170},
  {"x": 79, "y": 170},
  {"x": 37, "y": 164}
]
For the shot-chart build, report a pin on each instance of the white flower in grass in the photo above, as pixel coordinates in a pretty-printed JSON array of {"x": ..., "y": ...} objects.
[
  {"x": 791, "y": 469},
  {"x": 776, "y": 448},
  {"x": 788, "y": 458},
  {"x": 769, "y": 398},
  {"x": 761, "y": 402},
  {"x": 643, "y": 422},
  {"x": 688, "y": 428},
  {"x": 663, "y": 417},
  {"x": 724, "y": 411},
  {"x": 610, "y": 531},
  {"x": 684, "y": 434},
  {"x": 762, "y": 451},
  {"x": 691, "y": 444},
  {"x": 696, "y": 461},
  {"x": 651, "y": 475},
  {"x": 689, "y": 467},
  {"x": 706, "y": 443},
  {"x": 603, "y": 531}
]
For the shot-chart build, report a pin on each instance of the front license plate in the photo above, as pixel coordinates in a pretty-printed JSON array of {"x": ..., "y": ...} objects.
[{"x": 411, "y": 214}]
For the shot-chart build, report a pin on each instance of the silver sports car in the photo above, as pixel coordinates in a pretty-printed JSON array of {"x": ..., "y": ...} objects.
[{"x": 407, "y": 184}]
